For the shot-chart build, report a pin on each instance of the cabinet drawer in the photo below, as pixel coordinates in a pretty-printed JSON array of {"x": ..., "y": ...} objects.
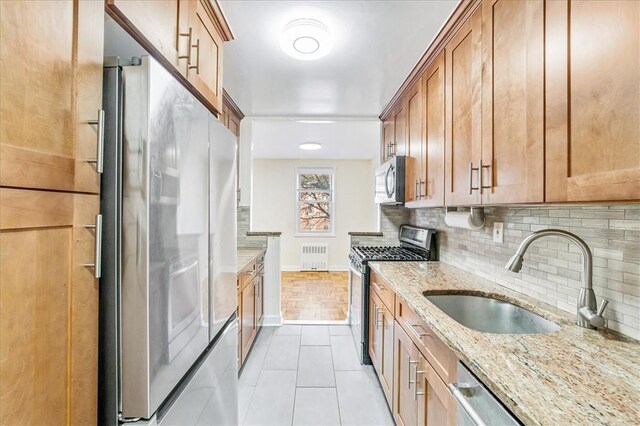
[
  {"x": 437, "y": 353},
  {"x": 383, "y": 290}
]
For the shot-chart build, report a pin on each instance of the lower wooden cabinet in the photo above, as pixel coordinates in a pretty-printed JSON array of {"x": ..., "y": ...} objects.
[
  {"x": 412, "y": 364},
  {"x": 435, "y": 404},
  {"x": 48, "y": 308},
  {"x": 405, "y": 406},
  {"x": 250, "y": 305},
  {"x": 248, "y": 317},
  {"x": 420, "y": 396}
]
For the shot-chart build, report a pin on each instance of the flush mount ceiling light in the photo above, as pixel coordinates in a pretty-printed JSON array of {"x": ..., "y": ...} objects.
[
  {"x": 310, "y": 146},
  {"x": 306, "y": 39}
]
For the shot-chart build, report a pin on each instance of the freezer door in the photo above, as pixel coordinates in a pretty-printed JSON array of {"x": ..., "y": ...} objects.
[
  {"x": 211, "y": 395},
  {"x": 222, "y": 225},
  {"x": 165, "y": 237}
]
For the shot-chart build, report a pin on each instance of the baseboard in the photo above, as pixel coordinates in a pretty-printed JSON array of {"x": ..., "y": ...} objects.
[
  {"x": 297, "y": 268},
  {"x": 272, "y": 320}
]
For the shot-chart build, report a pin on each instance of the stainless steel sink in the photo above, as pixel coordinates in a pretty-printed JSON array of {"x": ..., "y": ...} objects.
[{"x": 491, "y": 315}]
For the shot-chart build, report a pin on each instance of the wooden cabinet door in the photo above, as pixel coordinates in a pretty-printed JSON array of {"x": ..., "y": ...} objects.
[
  {"x": 432, "y": 173},
  {"x": 513, "y": 101},
  {"x": 160, "y": 22},
  {"x": 463, "y": 69},
  {"x": 205, "y": 71},
  {"x": 592, "y": 100},
  {"x": 386, "y": 362},
  {"x": 259, "y": 283},
  {"x": 405, "y": 362},
  {"x": 414, "y": 147},
  {"x": 48, "y": 308},
  {"x": 248, "y": 320},
  {"x": 375, "y": 331},
  {"x": 436, "y": 405},
  {"x": 51, "y": 87},
  {"x": 388, "y": 136},
  {"x": 400, "y": 131}
]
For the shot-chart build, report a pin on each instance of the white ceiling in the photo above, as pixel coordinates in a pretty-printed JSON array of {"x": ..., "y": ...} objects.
[
  {"x": 376, "y": 44},
  {"x": 342, "y": 139}
]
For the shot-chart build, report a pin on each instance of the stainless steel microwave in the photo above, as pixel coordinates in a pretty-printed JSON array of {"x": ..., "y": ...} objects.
[{"x": 390, "y": 181}]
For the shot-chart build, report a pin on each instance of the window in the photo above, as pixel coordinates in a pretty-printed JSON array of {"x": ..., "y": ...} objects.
[{"x": 315, "y": 200}]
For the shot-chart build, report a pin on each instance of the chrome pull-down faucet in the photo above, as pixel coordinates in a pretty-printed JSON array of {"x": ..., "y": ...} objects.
[{"x": 587, "y": 316}]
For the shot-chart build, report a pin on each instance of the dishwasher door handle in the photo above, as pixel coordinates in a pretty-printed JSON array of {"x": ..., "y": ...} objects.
[{"x": 462, "y": 401}]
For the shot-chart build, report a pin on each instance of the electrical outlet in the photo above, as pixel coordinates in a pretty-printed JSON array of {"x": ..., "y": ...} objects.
[{"x": 498, "y": 236}]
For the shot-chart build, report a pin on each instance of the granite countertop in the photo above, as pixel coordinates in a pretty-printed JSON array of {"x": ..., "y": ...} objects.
[
  {"x": 365, "y": 234},
  {"x": 246, "y": 255},
  {"x": 264, "y": 234},
  {"x": 571, "y": 376}
]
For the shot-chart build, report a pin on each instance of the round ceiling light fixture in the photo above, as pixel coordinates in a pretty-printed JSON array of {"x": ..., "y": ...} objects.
[
  {"x": 306, "y": 39},
  {"x": 310, "y": 146}
]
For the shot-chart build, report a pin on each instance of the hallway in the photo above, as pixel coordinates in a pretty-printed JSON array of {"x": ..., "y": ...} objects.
[{"x": 309, "y": 375}]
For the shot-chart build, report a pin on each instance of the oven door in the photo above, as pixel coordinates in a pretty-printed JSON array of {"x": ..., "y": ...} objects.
[{"x": 358, "y": 312}]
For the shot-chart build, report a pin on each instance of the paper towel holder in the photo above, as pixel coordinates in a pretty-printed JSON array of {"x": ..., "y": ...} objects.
[{"x": 477, "y": 215}]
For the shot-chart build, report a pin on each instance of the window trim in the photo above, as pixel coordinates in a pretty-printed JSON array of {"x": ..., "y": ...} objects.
[{"x": 332, "y": 223}]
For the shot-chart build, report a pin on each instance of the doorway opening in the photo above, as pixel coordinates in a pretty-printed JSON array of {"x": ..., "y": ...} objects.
[{"x": 315, "y": 297}]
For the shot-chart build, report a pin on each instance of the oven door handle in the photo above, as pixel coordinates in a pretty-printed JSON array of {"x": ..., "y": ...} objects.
[{"x": 462, "y": 401}]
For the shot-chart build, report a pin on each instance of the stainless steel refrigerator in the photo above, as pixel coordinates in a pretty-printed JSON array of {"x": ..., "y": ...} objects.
[{"x": 168, "y": 327}]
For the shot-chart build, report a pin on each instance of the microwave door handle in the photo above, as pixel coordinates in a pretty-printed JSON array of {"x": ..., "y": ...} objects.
[{"x": 386, "y": 182}]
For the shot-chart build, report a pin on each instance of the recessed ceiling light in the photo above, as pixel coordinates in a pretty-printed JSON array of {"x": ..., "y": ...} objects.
[
  {"x": 306, "y": 39},
  {"x": 310, "y": 146}
]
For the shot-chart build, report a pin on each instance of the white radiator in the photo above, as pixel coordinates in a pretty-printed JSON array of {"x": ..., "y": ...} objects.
[{"x": 314, "y": 257}]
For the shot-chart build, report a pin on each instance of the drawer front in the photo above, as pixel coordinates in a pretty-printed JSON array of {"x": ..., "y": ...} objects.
[
  {"x": 441, "y": 358},
  {"x": 383, "y": 290}
]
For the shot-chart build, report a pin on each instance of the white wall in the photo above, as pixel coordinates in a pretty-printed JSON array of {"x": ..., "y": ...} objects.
[{"x": 273, "y": 206}]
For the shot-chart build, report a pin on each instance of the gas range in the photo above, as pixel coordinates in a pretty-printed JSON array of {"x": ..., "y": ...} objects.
[{"x": 416, "y": 244}]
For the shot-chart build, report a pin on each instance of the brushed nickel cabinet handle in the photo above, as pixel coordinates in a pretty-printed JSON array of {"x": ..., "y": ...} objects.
[
  {"x": 97, "y": 265},
  {"x": 420, "y": 335},
  {"x": 189, "y": 36},
  {"x": 414, "y": 382},
  {"x": 197, "y": 65},
  {"x": 480, "y": 168},
  {"x": 415, "y": 388},
  {"x": 99, "y": 160}
]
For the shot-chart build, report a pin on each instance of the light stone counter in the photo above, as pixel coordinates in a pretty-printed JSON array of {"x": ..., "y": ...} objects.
[
  {"x": 571, "y": 376},
  {"x": 246, "y": 255}
]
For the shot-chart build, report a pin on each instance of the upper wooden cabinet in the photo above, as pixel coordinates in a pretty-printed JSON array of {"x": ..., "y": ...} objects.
[
  {"x": 429, "y": 156},
  {"x": 388, "y": 136},
  {"x": 512, "y": 102},
  {"x": 542, "y": 104},
  {"x": 394, "y": 133},
  {"x": 463, "y": 149},
  {"x": 205, "y": 55},
  {"x": 51, "y": 94},
  {"x": 592, "y": 100},
  {"x": 186, "y": 36},
  {"x": 413, "y": 105}
]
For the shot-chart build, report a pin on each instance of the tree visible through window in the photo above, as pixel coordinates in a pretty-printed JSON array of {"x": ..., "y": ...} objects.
[{"x": 315, "y": 200}]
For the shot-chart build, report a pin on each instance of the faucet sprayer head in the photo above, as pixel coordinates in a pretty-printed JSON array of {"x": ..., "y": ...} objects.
[{"x": 515, "y": 263}]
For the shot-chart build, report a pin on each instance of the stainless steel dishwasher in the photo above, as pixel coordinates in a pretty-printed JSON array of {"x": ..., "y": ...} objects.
[{"x": 476, "y": 404}]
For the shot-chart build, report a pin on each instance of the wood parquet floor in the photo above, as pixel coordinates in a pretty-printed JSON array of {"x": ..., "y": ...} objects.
[{"x": 320, "y": 296}]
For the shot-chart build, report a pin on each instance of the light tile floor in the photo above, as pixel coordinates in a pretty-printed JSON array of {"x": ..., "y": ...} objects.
[{"x": 309, "y": 375}]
